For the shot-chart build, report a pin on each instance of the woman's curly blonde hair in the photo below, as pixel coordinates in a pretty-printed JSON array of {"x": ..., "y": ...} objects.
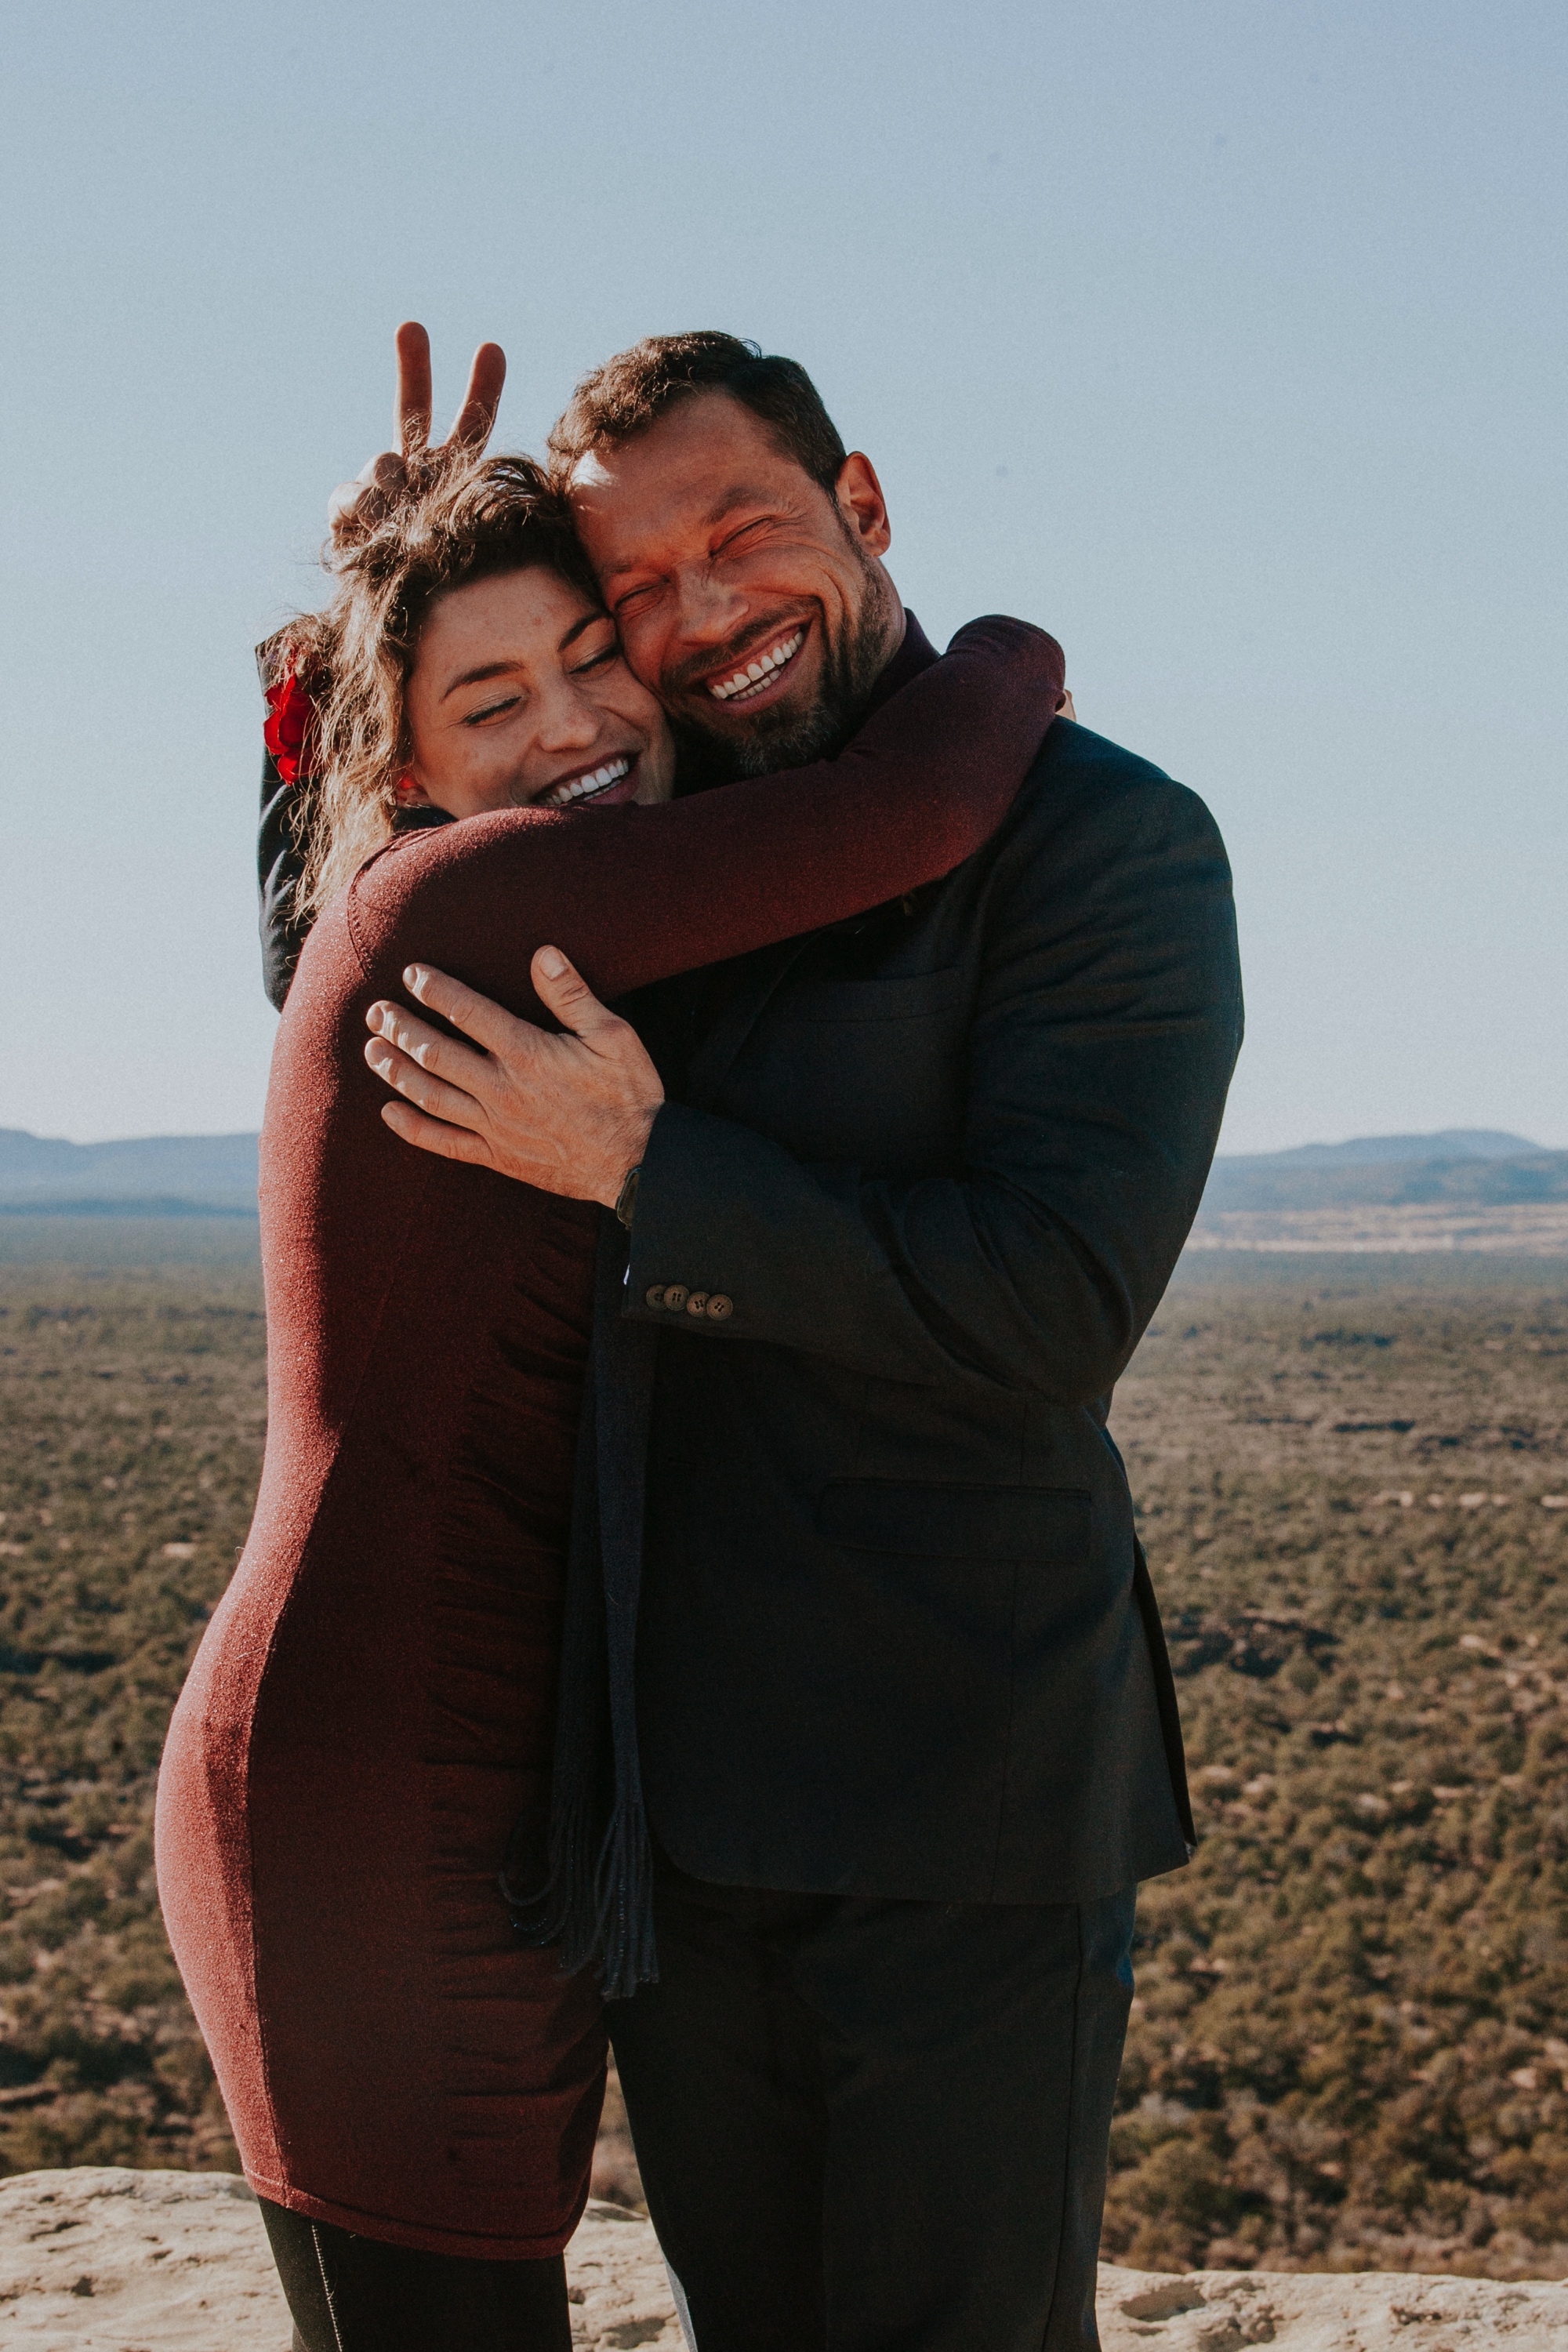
[{"x": 461, "y": 518}]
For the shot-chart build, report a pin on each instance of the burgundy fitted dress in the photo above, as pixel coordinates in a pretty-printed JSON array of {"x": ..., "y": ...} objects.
[{"x": 372, "y": 1707}]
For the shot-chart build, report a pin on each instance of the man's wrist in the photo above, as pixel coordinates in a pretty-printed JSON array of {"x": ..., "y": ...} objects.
[{"x": 630, "y": 1146}]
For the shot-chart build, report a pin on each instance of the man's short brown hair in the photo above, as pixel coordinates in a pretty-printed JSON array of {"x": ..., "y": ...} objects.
[{"x": 635, "y": 388}]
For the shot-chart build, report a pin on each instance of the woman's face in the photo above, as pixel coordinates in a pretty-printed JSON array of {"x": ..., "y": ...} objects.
[{"x": 520, "y": 698}]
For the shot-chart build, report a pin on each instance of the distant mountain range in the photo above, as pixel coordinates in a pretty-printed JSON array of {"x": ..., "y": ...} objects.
[
  {"x": 153, "y": 1175},
  {"x": 212, "y": 1175},
  {"x": 1396, "y": 1151},
  {"x": 1462, "y": 1167}
]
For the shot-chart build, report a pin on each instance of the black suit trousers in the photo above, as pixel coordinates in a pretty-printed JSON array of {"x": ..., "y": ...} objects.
[{"x": 871, "y": 2125}]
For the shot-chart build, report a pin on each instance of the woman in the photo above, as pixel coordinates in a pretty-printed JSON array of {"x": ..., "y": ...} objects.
[{"x": 414, "y": 2091}]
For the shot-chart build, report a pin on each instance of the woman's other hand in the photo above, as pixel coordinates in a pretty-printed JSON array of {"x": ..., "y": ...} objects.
[{"x": 359, "y": 505}]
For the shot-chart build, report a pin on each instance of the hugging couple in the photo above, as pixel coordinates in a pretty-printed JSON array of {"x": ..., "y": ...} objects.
[{"x": 693, "y": 1598}]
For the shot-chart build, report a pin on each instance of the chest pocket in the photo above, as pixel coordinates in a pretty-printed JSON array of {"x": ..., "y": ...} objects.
[
  {"x": 912, "y": 998},
  {"x": 866, "y": 1071}
]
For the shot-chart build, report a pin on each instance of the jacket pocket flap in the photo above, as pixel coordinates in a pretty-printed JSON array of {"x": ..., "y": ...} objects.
[{"x": 1036, "y": 1523}]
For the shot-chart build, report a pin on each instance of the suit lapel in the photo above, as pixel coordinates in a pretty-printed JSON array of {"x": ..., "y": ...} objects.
[{"x": 711, "y": 1062}]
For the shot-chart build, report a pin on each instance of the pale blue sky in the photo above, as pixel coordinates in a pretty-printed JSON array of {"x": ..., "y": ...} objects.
[{"x": 1227, "y": 340}]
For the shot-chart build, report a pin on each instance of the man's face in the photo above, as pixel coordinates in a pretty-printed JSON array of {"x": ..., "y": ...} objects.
[{"x": 753, "y": 603}]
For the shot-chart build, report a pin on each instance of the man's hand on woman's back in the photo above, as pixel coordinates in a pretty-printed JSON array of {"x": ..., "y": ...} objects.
[{"x": 359, "y": 505}]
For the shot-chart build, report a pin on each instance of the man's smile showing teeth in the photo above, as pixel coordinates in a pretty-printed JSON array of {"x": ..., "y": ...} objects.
[
  {"x": 583, "y": 788},
  {"x": 759, "y": 673}
]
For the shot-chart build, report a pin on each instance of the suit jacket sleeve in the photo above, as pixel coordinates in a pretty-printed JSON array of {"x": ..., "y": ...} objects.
[{"x": 1106, "y": 1024}]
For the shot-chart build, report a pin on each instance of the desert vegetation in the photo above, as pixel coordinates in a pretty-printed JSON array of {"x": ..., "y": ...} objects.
[
  {"x": 1349, "y": 2043},
  {"x": 132, "y": 1414},
  {"x": 1350, "y": 2036}
]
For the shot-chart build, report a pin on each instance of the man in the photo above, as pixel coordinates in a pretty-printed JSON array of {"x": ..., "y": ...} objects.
[{"x": 907, "y": 1733}]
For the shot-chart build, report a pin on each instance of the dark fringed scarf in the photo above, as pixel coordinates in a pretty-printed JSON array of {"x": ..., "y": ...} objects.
[{"x": 597, "y": 1900}]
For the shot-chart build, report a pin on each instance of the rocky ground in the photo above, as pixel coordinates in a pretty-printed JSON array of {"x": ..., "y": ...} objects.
[
  {"x": 1219, "y": 2311},
  {"x": 102, "y": 2259}
]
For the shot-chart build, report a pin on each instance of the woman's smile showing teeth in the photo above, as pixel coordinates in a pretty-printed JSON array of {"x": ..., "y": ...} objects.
[
  {"x": 588, "y": 786},
  {"x": 762, "y": 671}
]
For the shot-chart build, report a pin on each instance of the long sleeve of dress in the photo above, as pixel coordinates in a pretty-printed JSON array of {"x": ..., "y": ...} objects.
[
  {"x": 636, "y": 895},
  {"x": 280, "y": 864}
]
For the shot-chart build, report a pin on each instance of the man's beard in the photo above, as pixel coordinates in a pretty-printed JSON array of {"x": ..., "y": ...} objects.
[{"x": 783, "y": 737}]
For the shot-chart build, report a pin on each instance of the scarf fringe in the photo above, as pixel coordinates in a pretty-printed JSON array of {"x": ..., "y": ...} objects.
[
  {"x": 598, "y": 1909},
  {"x": 623, "y": 1940}
]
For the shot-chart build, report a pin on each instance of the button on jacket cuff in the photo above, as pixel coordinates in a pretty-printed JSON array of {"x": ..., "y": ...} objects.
[
  {"x": 775, "y": 1250},
  {"x": 674, "y": 1298},
  {"x": 677, "y": 1274}
]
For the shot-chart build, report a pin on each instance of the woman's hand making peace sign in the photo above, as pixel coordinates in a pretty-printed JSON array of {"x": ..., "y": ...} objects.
[{"x": 358, "y": 505}]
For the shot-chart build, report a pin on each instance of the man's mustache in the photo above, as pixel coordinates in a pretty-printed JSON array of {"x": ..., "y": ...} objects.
[{"x": 731, "y": 656}]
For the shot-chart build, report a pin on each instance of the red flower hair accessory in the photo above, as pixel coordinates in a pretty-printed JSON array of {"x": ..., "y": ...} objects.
[{"x": 290, "y": 734}]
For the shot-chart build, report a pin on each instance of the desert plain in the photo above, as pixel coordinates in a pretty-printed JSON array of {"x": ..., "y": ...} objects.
[{"x": 1349, "y": 2048}]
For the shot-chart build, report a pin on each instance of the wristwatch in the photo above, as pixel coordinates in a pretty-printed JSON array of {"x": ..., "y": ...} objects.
[{"x": 626, "y": 1198}]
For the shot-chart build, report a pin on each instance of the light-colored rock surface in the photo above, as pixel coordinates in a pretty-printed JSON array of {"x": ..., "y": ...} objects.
[
  {"x": 102, "y": 2260},
  {"x": 108, "y": 2261},
  {"x": 614, "y": 2265},
  {"x": 1305, "y": 2311}
]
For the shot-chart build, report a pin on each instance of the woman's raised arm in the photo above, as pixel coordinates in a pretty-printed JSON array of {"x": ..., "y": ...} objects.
[{"x": 635, "y": 895}]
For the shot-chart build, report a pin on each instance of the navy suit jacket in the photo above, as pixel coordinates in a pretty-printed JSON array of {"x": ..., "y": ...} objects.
[{"x": 896, "y": 1636}]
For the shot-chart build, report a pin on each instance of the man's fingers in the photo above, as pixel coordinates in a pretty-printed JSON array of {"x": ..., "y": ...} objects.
[
  {"x": 435, "y": 1135},
  {"x": 564, "y": 992},
  {"x": 448, "y": 1056},
  {"x": 411, "y": 417},
  {"x": 422, "y": 1087},
  {"x": 475, "y": 420},
  {"x": 479, "y": 1017}
]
